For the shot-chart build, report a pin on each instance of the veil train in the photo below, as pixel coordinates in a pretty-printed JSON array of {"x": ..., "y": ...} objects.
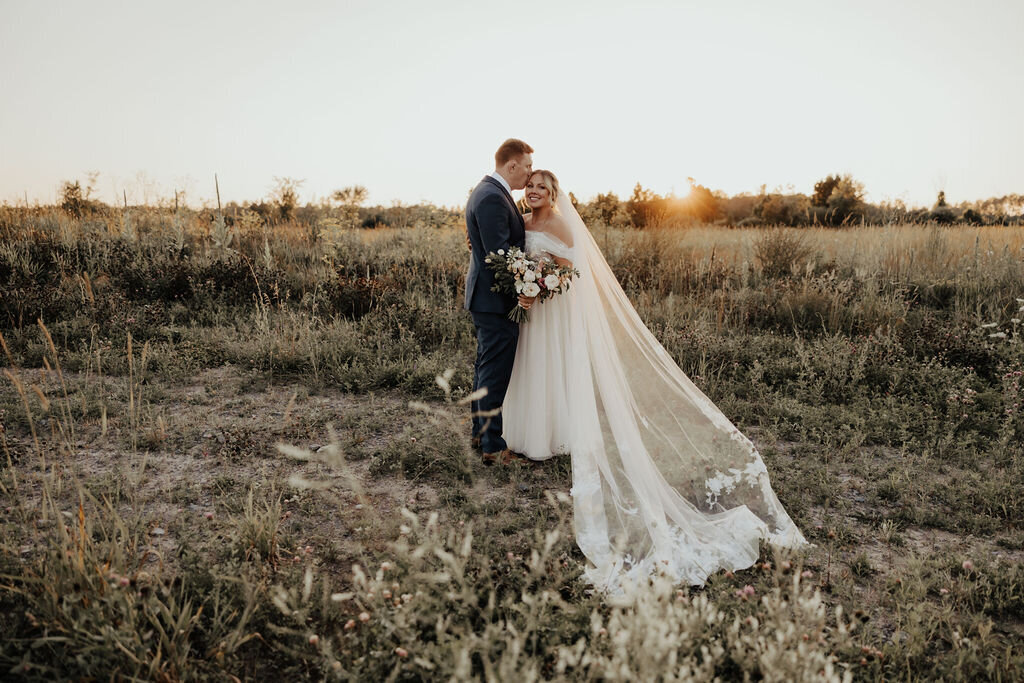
[{"x": 662, "y": 480}]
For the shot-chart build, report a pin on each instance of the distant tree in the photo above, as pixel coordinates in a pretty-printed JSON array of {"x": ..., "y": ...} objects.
[
  {"x": 72, "y": 200},
  {"x": 604, "y": 207},
  {"x": 738, "y": 207},
  {"x": 375, "y": 220},
  {"x": 350, "y": 198},
  {"x": 77, "y": 200},
  {"x": 773, "y": 210},
  {"x": 889, "y": 211},
  {"x": 286, "y": 195},
  {"x": 942, "y": 212},
  {"x": 973, "y": 217},
  {"x": 643, "y": 206},
  {"x": 846, "y": 201},
  {"x": 354, "y": 195},
  {"x": 701, "y": 204},
  {"x": 263, "y": 209},
  {"x": 823, "y": 190}
]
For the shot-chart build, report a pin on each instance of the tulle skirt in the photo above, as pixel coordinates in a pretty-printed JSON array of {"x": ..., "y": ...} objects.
[{"x": 535, "y": 414}]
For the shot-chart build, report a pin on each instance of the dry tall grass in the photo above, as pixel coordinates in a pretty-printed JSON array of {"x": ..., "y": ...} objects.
[{"x": 878, "y": 369}]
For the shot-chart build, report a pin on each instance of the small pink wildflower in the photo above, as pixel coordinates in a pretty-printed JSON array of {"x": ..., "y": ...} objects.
[{"x": 745, "y": 592}]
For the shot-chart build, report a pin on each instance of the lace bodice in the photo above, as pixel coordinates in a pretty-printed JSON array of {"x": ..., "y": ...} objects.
[{"x": 544, "y": 243}]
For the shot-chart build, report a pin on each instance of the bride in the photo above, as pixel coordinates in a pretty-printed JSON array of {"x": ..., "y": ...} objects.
[{"x": 662, "y": 480}]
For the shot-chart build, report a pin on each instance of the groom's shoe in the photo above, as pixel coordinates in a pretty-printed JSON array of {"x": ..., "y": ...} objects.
[{"x": 504, "y": 457}]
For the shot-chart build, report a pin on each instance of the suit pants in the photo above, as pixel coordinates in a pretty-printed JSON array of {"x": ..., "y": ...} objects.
[{"x": 496, "y": 339}]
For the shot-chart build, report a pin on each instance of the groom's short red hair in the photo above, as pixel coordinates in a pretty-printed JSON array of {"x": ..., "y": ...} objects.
[{"x": 511, "y": 149}]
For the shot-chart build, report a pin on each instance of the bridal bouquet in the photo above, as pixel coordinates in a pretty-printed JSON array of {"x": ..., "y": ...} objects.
[{"x": 515, "y": 273}]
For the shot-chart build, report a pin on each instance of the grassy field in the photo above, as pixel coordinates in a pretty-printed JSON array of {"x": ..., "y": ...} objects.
[{"x": 226, "y": 454}]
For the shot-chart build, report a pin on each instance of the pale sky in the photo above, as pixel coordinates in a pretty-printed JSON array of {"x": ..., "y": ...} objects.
[{"x": 411, "y": 99}]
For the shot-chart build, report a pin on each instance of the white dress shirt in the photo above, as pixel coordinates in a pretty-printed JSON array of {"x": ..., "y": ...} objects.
[{"x": 504, "y": 183}]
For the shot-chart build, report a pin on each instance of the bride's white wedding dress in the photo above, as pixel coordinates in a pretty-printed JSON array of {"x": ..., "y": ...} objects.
[
  {"x": 537, "y": 419},
  {"x": 662, "y": 480}
]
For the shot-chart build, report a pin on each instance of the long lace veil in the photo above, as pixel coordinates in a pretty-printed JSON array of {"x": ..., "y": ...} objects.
[{"x": 662, "y": 480}]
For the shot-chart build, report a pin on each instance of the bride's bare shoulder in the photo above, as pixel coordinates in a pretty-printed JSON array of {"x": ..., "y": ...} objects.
[{"x": 560, "y": 229}]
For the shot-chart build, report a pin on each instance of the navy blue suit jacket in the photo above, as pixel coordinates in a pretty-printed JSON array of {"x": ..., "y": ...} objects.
[{"x": 493, "y": 222}]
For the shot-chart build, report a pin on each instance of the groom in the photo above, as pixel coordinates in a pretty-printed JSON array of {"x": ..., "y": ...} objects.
[{"x": 493, "y": 222}]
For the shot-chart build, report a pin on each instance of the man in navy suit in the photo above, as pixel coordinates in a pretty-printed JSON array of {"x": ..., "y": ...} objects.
[{"x": 493, "y": 222}]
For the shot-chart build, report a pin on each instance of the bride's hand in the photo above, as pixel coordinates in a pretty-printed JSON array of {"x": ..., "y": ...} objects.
[{"x": 526, "y": 301}]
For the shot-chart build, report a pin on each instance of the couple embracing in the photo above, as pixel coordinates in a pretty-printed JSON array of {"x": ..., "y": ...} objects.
[{"x": 663, "y": 482}]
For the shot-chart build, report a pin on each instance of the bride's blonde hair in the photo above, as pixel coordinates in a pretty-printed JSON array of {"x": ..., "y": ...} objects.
[{"x": 550, "y": 182}]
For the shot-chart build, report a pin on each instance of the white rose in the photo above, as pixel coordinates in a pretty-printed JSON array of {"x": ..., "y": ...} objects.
[
  {"x": 501, "y": 252},
  {"x": 519, "y": 287},
  {"x": 529, "y": 276},
  {"x": 531, "y": 289},
  {"x": 552, "y": 281}
]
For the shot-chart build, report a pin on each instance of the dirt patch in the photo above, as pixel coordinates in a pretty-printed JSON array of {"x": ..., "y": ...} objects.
[{"x": 201, "y": 446}]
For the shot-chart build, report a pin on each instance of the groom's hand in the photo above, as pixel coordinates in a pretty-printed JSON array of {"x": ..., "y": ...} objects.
[{"x": 526, "y": 301}]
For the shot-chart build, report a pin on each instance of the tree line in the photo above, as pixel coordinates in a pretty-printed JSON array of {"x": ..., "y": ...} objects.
[{"x": 836, "y": 200}]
